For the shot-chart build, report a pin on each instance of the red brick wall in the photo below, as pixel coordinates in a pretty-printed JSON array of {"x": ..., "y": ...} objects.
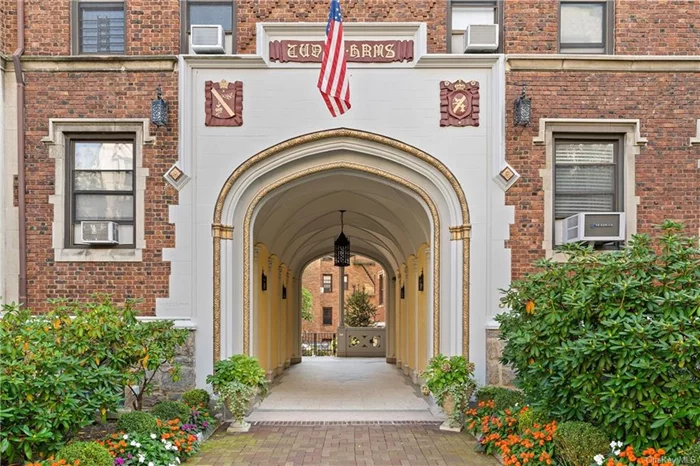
[
  {"x": 667, "y": 175},
  {"x": 658, "y": 27},
  {"x": 357, "y": 278},
  {"x": 432, "y": 12},
  {"x": 97, "y": 95},
  {"x": 152, "y": 27}
]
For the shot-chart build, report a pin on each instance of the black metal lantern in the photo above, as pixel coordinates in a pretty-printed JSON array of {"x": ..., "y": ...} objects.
[
  {"x": 420, "y": 281},
  {"x": 159, "y": 110},
  {"x": 263, "y": 282},
  {"x": 284, "y": 292},
  {"x": 523, "y": 109},
  {"x": 341, "y": 247},
  {"x": 403, "y": 292}
]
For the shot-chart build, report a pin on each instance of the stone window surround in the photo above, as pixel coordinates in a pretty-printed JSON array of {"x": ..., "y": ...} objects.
[
  {"x": 56, "y": 141},
  {"x": 631, "y": 147}
]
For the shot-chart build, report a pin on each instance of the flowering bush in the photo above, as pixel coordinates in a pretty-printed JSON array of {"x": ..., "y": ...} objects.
[
  {"x": 490, "y": 426},
  {"x": 612, "y": 338},
  {"x": 201, "y": 419},
  {"x": 619, "y": 456},
  {"x": 182, "y": 436},
  {"x": 534, "y": 446},
  {"x": 196, "y": 398},
  {"x": 141, "y": 450},
  {"x": 54, "y": 462}
]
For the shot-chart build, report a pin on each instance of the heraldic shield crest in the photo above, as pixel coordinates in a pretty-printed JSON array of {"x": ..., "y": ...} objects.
[
  {"x": 459, "y": 103},
  {"x": 224, "y": 103}
]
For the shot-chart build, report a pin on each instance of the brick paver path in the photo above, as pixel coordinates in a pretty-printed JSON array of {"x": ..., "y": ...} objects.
[{"x": 418, "y": 444}]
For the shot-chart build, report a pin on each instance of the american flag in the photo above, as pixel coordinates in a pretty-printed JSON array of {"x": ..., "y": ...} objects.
[{"x": 333, "y": 80}]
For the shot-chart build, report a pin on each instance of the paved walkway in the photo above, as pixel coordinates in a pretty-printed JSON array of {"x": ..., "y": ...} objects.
[
  {"x": 344, "y": 389},
  {"x": 376, "y": 445}
]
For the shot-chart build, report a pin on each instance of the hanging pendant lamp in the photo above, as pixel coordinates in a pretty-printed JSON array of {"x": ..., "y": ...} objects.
[{"x": 341, "y": 247}]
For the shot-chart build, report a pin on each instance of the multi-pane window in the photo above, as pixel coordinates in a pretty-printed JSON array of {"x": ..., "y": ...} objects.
[
  {"x": 380, "y": 298},
  {"x": 101, "y": 185},
  {"x": 585, "y": 26},
  {"x": 587, "y": 177},
  {"x": 327, "y": 283},
  {"x": 98, "y": 27},
  {"x": 207, "y": 12},
  {"x": 467, "y": 12},
  {"x": 327, "y": 316}
]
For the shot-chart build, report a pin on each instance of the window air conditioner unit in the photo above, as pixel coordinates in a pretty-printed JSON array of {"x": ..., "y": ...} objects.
[
  {"x": 591, "y": 226},
  {"x": 481, "y": 38},
  {"x": 207, "y": 38},
  {"x": 99, "y": 232},
  {"x": 322, "y": 289}
]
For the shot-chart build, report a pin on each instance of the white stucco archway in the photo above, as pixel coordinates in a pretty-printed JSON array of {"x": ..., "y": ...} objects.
[{"x": 330, "y": 153}]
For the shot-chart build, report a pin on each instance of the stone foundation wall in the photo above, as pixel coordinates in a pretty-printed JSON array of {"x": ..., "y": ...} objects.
[
  {"x": 164, "y": 388},
  {"x": 497, "y": 373}
]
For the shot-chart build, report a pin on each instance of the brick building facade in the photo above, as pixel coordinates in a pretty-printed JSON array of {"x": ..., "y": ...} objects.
[
  {"x": 637, "y": 95},
  {"x": 363, "y": 274}
]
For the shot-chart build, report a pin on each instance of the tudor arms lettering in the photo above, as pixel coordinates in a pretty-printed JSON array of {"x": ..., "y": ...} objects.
[{"x": 359, "y": 51}]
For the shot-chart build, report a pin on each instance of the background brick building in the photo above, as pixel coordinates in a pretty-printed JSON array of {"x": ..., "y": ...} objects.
[{"x": 363, "y": 274}]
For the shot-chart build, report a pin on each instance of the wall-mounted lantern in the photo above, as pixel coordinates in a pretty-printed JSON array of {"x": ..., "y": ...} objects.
[
  {"x": 284, "y": 292},
  {"x": 159, "y": 109},
  {"x": 263, "y": 282},
  {"x": 341, "y": 247},
  {"x": 421, "y": 281},
  {"x": 523, "y": 109}
]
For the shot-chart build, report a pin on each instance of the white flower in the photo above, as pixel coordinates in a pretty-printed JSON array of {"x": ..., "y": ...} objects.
[
  {"x": 178, "y": 460},
  {"x": 168, "y": 446},
  {"x": 617, "y": 452},
  {"x": 619, "y": 444},
  {"x": 163, "y": 440},
  {"x": 612, "y": 444},
  {"x": 133, "y": 443},
  {"x": 142, "y": 458},
  {"x": 126, "y": 437},
  {"x": 599, "y": 459},
  {"x": 174, "y": 448},
  {"x": 138, "y": 445},
  {"x": 150, "y": 463},
  {"x": 153, "y": 436}
]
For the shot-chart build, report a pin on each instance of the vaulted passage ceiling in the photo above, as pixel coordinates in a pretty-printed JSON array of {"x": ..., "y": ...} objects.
[{"x": 300, "y": 221}]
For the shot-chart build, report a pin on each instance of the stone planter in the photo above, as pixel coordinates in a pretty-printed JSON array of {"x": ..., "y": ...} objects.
[
  {"x": 448, "y": 407},
  {"x": 237, "y": 426}
]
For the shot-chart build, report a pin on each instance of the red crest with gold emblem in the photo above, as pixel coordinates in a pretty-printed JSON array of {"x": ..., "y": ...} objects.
[
  {"x": 459, "y": 103},
  {"x": 224, "y": 103}
]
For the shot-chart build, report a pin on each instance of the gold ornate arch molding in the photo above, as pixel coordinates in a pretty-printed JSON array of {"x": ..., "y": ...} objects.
[{"x": 458, "y": 232}]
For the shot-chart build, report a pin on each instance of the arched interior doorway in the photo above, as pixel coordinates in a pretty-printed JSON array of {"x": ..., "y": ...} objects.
[{"x": 404, "y": 208}]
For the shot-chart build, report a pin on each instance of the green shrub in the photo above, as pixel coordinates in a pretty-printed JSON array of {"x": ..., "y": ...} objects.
[
  {"x": 612, "y": 338},
  {"x": 239, "y": 368},
  {"x": 450, "y": 377},
  {"x": 167, "y": 410},
  {"x": 89, "y": 453},
  {"x": 137, "y": 422},
  {"x": 58, "y": 369},
  {"x": 503, "y": 397},
  {"x": 529, "y": 417},
  {"x": 197, "y": 397},
  {"x": 576, "y": 443}
]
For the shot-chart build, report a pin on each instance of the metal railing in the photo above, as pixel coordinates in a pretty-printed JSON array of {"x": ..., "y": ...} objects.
[{"x": 318, "y": 344}]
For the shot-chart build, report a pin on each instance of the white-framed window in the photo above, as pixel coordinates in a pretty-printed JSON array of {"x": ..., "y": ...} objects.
[
  {"x": 99, "y": 176},
  {"x": 626, "y": 144},
  {"x": 463, "y": 13},
  {"x": 327, "y": 283}
]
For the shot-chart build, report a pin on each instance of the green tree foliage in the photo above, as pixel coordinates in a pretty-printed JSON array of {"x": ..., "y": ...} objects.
[
  {"x": 613, "y": 338},
  {"x": 307, "y": 304},
  {"x": 359, "y": 310},
  {"x": 60, "y": 368}
]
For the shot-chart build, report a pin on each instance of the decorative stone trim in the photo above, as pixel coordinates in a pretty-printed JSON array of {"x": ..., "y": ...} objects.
[
  {"x": 57, "y": 151},
  {"x": 100, "y": 63},
  {"x": 572, "y": 62},
  {"x": 632, "y": 143},
  {"x": 460, "y": 232},
  {"x": 506, "y": 177}
]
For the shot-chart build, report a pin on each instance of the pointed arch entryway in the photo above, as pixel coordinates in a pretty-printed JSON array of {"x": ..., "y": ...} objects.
[{"x": 325, "y": 157}]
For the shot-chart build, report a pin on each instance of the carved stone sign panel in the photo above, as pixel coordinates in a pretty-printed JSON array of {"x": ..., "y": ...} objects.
[
  {"x": 223, "y": 103},
  {"x": 459, "y": 103},
  {"x": 357, "y": 51}
]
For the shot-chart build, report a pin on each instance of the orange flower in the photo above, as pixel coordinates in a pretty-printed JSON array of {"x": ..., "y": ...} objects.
[{"x": 530, "y": 307}]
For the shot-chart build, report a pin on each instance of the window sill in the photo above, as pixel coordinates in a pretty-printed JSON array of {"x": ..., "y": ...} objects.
[{"x": 98, "y": 255}]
